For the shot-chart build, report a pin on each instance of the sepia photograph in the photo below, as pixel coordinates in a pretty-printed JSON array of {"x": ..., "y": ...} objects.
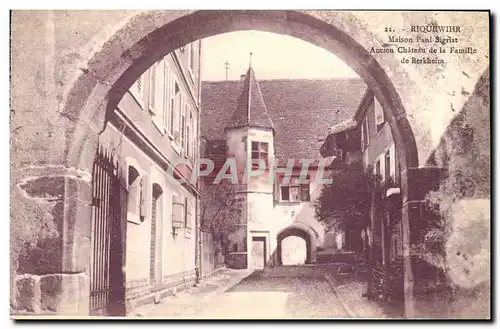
[{"x": 250, "y": 164}]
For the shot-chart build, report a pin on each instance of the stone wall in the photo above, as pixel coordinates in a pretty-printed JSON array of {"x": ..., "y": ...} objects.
[{"x": 464, "y": 203}]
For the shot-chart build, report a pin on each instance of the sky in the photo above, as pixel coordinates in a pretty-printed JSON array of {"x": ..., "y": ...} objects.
[{"x": 274, "y": 56}]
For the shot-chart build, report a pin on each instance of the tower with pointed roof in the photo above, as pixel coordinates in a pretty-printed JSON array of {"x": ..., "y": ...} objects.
[{"x": 250, "y": 142}]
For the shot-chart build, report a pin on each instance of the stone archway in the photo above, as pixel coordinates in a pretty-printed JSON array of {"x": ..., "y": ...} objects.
[
  {"x": 84, "y": 83},
  {"x": 301, "y": 231},
  {"x": 149, "y": 36},
  {"x": 101, "y": 77}
]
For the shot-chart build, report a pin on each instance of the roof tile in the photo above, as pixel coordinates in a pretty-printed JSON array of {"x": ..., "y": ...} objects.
[
  {"x": 299, "y": 109},
  {"x": 250, "y": 109}
]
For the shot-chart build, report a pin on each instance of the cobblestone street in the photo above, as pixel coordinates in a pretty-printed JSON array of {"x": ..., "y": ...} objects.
[{"x": 255, "y": 298}]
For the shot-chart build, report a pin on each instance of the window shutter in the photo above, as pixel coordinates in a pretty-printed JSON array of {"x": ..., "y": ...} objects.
[
  {"x": 166, "y": 94},
  {"x": 305, "y": 193},
  {"x": 178, "y": 112},
  {"x": 182, "y": 122},
  {"x": 276, "y": 191},
  {"x": 195, "y": 138},
  {"x": 177, "y": 212},
  {"x": 181, "y": 109},
  {"x": 189, "y": 133},
  {"x": 152, "y": 88},
  {"x": 159, "y": 83},
  {"x": 138, "y": 85},
  {"x": 172, "y": 100},
  {"x": 187, "y": 208}
]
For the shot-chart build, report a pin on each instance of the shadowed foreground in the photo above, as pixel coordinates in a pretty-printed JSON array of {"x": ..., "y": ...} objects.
[{"x": 261, "y": 298}]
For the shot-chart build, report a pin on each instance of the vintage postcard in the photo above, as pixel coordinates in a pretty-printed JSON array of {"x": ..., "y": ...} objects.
[{"x": 250, "y": 164}]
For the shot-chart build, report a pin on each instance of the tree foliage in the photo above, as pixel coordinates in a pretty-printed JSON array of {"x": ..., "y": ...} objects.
[
  {"x": 347, "y": 200},
  {"x": 220, "y": 211}
]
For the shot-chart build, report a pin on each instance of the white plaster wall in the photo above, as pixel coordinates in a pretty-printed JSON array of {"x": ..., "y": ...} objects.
[
  {"x": 177, "y": 252},
  {"x": 265, "y": 216},
  {"x": 260, "y": 211},
  {"x": 137, "y": 253},
  {"x": 178, "y": 247},
  {"x": 236, "y": 141}
]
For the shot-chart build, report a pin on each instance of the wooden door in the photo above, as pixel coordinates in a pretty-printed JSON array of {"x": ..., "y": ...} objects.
[{"x": 258, "y": 258}]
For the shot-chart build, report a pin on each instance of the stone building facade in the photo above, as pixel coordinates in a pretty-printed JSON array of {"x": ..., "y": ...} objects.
[
  {"x": 365, "y": 140},
  {"x": 154, "y": 134},
  {"x": 152, "y": 137},
  {"x": 279, "y": 122}
]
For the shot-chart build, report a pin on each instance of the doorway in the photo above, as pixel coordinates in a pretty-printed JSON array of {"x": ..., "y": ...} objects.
[{"x": 259, "y": 252}]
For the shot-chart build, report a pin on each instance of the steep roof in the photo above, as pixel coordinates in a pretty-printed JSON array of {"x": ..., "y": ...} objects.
[
  {"x": 301, "y": 111},
  {"x": 250, "y": 109}
]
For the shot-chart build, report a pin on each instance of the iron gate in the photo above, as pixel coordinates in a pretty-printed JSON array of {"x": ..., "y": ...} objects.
[{"x": 109, "y": 210}]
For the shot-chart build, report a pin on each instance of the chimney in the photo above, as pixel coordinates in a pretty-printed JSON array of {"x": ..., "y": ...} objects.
[{"x": 242, "y": 77}]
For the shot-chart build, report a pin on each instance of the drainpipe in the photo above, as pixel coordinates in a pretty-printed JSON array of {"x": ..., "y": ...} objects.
[{"x": 198, "y": 243}]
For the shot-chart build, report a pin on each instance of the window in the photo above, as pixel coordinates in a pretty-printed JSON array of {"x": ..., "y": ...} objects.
[
  {"x": 260, "y": 150},
  {"x": 387, "y": 165},
  {"x": 295, "y": 192},
  {"x": 285, "y": 193}
]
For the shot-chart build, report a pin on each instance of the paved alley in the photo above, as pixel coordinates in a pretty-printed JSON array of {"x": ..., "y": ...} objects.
[{"x": 255, "y": 298}]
